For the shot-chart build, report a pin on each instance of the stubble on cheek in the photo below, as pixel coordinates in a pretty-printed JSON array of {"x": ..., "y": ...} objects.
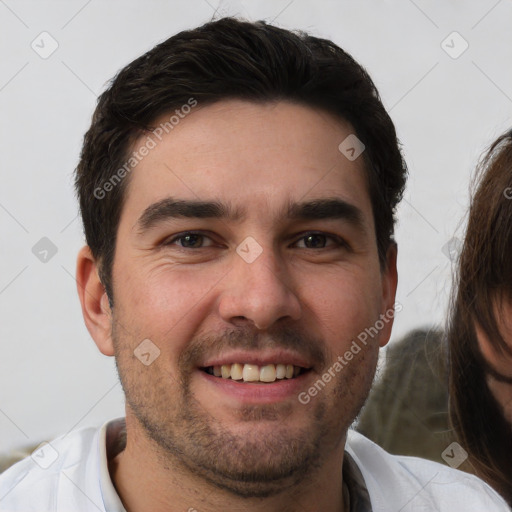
[{"x": 347, "y": 392}]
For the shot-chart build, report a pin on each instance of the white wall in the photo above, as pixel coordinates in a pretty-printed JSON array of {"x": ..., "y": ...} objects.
[{"x": 446, "y": 110}]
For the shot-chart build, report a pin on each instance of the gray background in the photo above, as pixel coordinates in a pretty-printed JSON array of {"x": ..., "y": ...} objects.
[{"x": 446, "y": 110}]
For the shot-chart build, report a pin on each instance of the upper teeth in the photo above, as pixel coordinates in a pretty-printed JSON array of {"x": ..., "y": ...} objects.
[{"x": 255, "y": 373}]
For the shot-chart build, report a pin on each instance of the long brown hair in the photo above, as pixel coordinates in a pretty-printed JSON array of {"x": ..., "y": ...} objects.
[{"x": 483, "y": 280}]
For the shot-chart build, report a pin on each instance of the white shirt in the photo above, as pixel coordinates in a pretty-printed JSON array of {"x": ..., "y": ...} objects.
[{"x": 71, "y": 474}]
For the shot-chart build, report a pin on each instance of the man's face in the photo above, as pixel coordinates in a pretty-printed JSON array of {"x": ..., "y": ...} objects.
[{"x": 288, "y": 275}]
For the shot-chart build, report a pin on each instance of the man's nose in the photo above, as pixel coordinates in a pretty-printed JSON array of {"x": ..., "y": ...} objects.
[{"x": 260, "y": 292}]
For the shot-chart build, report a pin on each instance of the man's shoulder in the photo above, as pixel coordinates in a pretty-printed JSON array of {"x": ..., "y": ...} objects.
[
  {"x": 410, "y": 483},
  {"x": 55, "y": 471}
]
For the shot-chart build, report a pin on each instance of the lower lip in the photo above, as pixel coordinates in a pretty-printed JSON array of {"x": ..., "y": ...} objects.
[{"x": 257, "y": 393}]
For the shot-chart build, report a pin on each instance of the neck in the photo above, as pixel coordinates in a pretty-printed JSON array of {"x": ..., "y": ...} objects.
[{"x": 146, "y": 481}]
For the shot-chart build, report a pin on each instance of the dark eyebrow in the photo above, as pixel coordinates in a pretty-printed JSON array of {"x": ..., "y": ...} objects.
[
  {"x": 317, "y": 209},
  {"x": 171, "y": 208},
  {"x": 328, "y": 208}
]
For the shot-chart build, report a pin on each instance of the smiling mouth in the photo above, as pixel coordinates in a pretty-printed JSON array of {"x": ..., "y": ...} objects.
[{"x": 254, "y": 373}]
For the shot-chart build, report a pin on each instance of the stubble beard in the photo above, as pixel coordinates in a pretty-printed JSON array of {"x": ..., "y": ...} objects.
[{"x": 252, "y": 463}]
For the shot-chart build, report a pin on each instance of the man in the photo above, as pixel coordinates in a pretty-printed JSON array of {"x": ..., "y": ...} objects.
[{"x": 237, "y": 188}]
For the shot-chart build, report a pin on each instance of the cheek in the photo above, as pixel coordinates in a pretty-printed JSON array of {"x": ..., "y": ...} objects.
[
  {"x": 343, "y": 307},
  {"x": 502, "y": 364},
  {"x": 162, "y": 304},
  {"x": 502, "y": 392}
]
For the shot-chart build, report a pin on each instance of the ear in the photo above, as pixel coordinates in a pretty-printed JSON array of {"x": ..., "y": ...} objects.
[
  {"x": 389, "y": 277},
  {"x": 93, "y": 298}
]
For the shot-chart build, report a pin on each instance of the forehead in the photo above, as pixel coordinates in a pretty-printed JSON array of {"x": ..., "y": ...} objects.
[{"x": 256, "y": 157}]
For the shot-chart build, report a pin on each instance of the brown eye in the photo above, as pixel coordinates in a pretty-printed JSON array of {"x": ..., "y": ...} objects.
[
  {"x": 315, "y": 241},
  {"x": 190, "y": 241},
  {"x": 193, "y": 241},
  {"x": 320, "y": 241}
]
